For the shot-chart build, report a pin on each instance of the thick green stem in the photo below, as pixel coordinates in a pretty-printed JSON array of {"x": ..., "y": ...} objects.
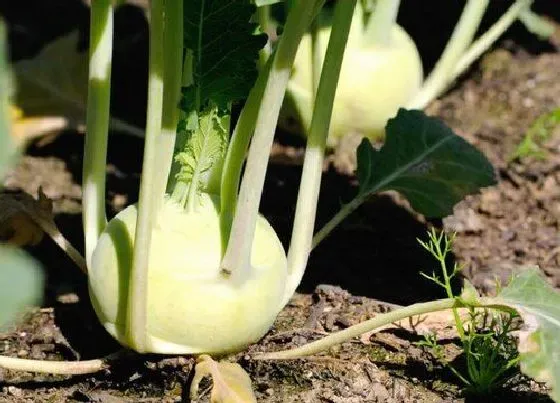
[
  {"x": 233, "y": 163},
  {"x": 460, "y": 40},
  {"x": 97, "y": 123},
  {"x": 179, "y": 189},
  {"x": 380, "y": 24},
  {"x": 172, "y": 77},
  {"x": 316, "y": 56},
  {"x": 344, "y": 212},
  {"x": 267, "y": 26},
  {"x": 306, "y": 207},
  {"x": 372, "y": 324},
  {"x": 483, "y": 43},
  {"x": 138, "y": 283},
  {"x": 238, "y": 252}
]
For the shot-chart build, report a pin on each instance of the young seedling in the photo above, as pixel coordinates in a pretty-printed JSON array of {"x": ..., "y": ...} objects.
[
  {"x": 489, "y": 349},
  {"x": 382, "y": 70}
]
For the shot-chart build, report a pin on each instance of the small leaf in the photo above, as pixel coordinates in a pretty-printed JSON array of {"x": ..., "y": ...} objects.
[
  {"x": 205, "y": 147},
  {"x": 21, "y": 280},
  {"x": 539, "y": 133},
  {"x": 425, "y": 161},
  {"x": 225, "y": 51},
  {"x": 231, "y": 384},
  {"x": 539, "y": 345}
]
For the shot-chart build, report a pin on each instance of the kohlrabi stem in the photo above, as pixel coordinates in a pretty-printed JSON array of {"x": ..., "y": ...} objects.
[
  {"x": 344, "y": 212},
  {"x": 316, "y": 57},
  {"x": 233, "y": 162},
  {"x": 486, "y": 40},
  {"x": 97, "y": 122},
  {"x": 306, "y": 207},
  {"x": 172, "y": 77},
  {"x": 380, "y": 25},
  {"x": 138, "y": 283},
  {"x": 263, "y": 17},
  {"x": 238, "y": 252},
  {"x": 461, "y": 39},
  {"x": 179, "y": 189},
  {"x": 372, "y": 324},
  {"x": 53, "y": 367}
]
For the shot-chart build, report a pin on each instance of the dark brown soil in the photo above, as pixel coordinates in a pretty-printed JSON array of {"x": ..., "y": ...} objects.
[{"x": 372, "y": 257}]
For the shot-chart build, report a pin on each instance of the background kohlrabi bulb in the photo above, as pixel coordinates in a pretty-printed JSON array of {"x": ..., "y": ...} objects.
[{"x": 375, "y": 80}]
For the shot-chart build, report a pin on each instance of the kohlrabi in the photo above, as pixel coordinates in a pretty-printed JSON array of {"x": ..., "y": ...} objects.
[
  {"x": 382, "y": 70},
  {"x": 193, "y": 267}
]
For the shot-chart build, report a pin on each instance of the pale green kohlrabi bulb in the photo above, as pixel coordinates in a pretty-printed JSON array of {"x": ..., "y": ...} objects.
[
  {"x": 192, "y": 306},
  {"x": 375, "y": 80}
]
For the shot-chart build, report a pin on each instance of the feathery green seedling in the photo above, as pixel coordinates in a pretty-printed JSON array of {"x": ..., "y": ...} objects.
[{"x": 489, "y": 347}]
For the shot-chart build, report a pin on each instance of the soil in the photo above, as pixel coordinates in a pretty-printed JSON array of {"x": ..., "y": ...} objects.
[{"x": 372, "y": 257}]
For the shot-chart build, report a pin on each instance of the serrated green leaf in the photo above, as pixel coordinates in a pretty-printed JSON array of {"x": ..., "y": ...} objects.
[
  {"x": 205, "y": 146},
  {"x": 425, "y": 161},
  {"x": 225, "y": 50},
  {"x": 7, "y": 146},
  {"x": 539, "y": 345},
  {"x": 230, "y": 383},
  {"x": 21, "y": 283}
]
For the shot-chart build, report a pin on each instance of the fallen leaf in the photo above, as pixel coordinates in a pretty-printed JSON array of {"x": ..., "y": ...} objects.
[
  {"x": 231, "y": 384},
  {"x": 24, "y": 220}
]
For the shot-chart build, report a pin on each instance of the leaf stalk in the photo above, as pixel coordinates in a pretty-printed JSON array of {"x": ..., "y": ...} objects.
[{"x": 97, "y": 123}]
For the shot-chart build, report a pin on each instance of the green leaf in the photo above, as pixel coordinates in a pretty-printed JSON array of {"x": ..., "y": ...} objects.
[
  {"x": 54, "y": 83},
  {"x": 231, "y": 384},
  {"x": 21, "y": 282},
  {"x": 539, "y": 345},
  {"x": 204, "y": 150},
  {"x": 540, "y": 131},
  {"x": 7, "y": 146},
  {"x": 425, "y": 161},
  {"x": 225, "y": 50}
]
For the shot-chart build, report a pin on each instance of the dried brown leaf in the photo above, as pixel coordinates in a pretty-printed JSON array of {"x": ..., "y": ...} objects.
[
  {"x": 231, "y": 384},
  {"x": 24, "y": 220}
]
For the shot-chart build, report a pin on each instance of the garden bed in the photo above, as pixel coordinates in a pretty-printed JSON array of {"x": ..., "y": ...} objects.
[{"x": 372, "y": 261}]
